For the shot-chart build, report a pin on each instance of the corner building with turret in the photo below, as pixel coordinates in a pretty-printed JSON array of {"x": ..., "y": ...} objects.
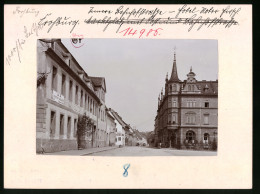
[{"x": 187, "y": 114}]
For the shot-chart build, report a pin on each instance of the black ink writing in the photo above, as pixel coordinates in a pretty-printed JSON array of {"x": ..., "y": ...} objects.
[
  {"x": 59, "y": 21},
  {"x": 92, "y": 10},
  {"x": 21, "y": 12}
]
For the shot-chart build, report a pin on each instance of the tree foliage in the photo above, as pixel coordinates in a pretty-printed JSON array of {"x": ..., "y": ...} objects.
[{"x": 85, "y": 125}]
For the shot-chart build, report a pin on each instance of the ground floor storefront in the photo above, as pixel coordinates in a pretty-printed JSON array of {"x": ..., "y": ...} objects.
[{"x": 188, "y": 138}]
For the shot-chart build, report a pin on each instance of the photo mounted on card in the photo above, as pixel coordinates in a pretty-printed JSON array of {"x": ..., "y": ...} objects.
[
  {"x": 109, "y": 92},
  {"x": 73, "y": 112}
]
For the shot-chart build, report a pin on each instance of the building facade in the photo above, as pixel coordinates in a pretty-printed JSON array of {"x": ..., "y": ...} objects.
[
  {"x": 65, "y": 91},
  {"x": 187, "y": 114},
  {"x": 120, "y": 128},
  {"x": 111, "y": 130}
]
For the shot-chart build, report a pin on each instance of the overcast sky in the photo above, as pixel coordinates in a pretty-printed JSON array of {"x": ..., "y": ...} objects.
[{"x": 135, "y": 70}]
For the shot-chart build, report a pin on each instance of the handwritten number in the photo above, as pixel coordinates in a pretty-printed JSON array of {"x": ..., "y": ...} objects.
[
  {"x": 125, "y": 30},
  {"x": 142, "y": 32},
  {"x": 132, "y": 33},
  {"x": 149, "y": 32},
  {"x": 126, "y": 166},
  {"x": 156, "y": 31}
]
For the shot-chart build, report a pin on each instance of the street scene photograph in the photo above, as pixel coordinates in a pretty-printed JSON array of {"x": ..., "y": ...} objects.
[{"x": 127, "y": 97}]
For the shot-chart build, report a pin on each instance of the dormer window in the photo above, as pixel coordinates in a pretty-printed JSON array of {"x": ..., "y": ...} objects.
[{"x": 206, "y": 88}]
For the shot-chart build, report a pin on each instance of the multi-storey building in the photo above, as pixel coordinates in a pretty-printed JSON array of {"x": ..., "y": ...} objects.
[
  {"x": 121, "y": 128},
  {"x": 65, "y": 91},
  {"x": 111, "y": 129},
  {"x": 187, "y": 111}
]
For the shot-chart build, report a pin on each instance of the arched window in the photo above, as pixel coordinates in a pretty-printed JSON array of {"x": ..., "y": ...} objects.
[
  {"x": 189, "y": 88},
  {"x": 206, "y": 138},
  {"x": 192, "y": 87},
  {"x": 170, "y": 88},
  {"x": 174, "y": 88},
  {"x": 190, "y": 136}
]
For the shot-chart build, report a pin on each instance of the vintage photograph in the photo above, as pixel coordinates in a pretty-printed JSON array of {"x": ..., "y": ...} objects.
[{"x": 127, "y": 97}]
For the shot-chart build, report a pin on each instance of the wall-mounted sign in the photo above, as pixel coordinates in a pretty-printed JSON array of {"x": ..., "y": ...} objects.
[{"x": 57, "y": 97}]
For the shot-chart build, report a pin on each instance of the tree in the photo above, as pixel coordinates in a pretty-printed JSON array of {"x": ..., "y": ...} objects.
[{"x": 85, "y": 126}]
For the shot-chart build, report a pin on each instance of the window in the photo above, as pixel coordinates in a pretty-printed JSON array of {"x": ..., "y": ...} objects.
[
  {"x": 61, "y": 124},
  {"x": 170, "y": 88},
  {"x": 206, "y": 138},
  {"x": 190, "y": 118},
  {"x": 191, "y": 103},
  {"x": 170, "y": 103},
  {"x": 192, "y": 87},
  {"x": 206, "y": 105},
  {"x": 70, "y": 90},
  {"x": 69, "y": 127},
  {"x": 54, "y": 78},
  {"x": 119, "y": 138},
  {"x": 173, "y": 119},
  {"x": 174, "y": 88},
  {"x": 206, "y": 119},
  {"x": 53, "y": 123},
  {"x": 189, "y": 87},
  {"x": 76, "y": 95},
  {"x": 63, "y": 84},
  {"x": 75, "y": 128},
  {"x": 174, "y": 104},
  {"x": 91, "y": 105},
  {"x": 169, "y": 118},
  {"x": 190, "y": 136},
  {"x": 86, "y": 102},
  {"x": 81, "y": 98}
]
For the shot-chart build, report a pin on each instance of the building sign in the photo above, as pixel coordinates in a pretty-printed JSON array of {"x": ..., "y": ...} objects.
[{"x": 57, "y": 97}]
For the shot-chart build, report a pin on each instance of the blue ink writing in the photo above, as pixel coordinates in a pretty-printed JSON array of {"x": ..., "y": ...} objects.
[{"x": 126, "y": 166}]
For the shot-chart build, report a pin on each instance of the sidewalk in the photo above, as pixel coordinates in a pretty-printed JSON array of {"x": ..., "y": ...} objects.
[{"x": 82, "y": 152}]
